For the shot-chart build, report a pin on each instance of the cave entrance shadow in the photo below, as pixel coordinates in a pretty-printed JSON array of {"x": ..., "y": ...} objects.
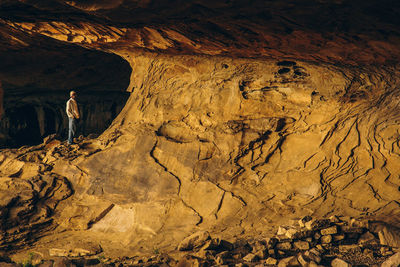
[
  {"x": 36, "y": 84},
  {"x": 23, "y": 125}
]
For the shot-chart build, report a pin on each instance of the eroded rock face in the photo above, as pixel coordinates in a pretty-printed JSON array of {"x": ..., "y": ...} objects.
[
  {"x": 228, "y": 129},
  {"x": 217, "y": 143},
  {"x": 269, "y": 137}
]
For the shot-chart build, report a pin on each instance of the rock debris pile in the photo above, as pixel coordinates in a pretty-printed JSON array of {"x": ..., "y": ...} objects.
[{"x": 308, "y": 242}]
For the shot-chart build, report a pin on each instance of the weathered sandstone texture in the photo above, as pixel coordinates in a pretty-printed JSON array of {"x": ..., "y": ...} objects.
[
  {"x": 240, "y": 117},
  {"x": 231, "y": 146}
]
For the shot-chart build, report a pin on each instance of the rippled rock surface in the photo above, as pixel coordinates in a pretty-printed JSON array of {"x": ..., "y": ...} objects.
[{"x": 228, "y": 128}]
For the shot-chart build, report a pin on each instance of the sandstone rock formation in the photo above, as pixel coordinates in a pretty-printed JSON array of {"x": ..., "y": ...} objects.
[{"x": 235, "y": 123}]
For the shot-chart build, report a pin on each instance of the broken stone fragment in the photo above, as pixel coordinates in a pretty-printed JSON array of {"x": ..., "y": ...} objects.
[
  {"x": 204, "y": 254},
  {"x": 351, "y": 229},
  {"x": 339, "y": 263},
  {"x": 317, "y": 236},
  {"x": 261, "y": 254},
  {"x": 334, "y": 219},
  {"x": 304, "y": 220},
  {"x": 271, "y": 252},
  {"x": 289, "y": 261},
  {"x": 338, "y": 237},
  {"x": 282, "y": 230},
  {"x": 302, "y": 260},
  {"x": 194, "y": 241},
  {"x": 291, "y": 233},
  {"x": 389, "y": 235},
  {"x": 217, "y": 243},
  {"x": 313, "y": 254},
  {"x": 385, "y": 251},
  {"x": 393, "y": 261},
  {"x": 211, "y": 244},
  {"x": 329, "y": 231},
  {"x": 359, "y": 223},
  {"x": 220, "y": 258},
  {"x": 258, "y": 245},
  {"x": 315, "y": 251},
  {"x": 271, "y": 261},
  {"x": 317, "y": 224},
  {"x": 367, "y": 238},
  {"x": 50, "y": 138},
  {"x": 368, "y": 253},
  {"x": 301, "y": 245},
  {"x": 271, "y": 242},
  {"x": 250, "y": 257},
  {"x": 284, "y": 246},
  {"x": 189, "y": 260},
  {"x": 283, "y": 238},
  {"x": 326, "y": 239},
  {"x": 320, "y": 248},
  {"x": 302, "y": 234},
  {"x": 310, "y": 225}
]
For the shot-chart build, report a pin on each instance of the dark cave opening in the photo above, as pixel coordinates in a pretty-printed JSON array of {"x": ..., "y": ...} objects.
[
  {"x": 36, "y": 84},
  {"x": 23, "y": 124}
]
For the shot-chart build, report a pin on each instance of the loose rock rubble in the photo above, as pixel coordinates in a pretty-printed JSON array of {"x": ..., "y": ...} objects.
[{"x": 323, "y": 242}]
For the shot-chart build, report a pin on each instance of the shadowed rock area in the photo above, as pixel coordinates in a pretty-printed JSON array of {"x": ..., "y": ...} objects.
[
  {"x": 36, "y": 82},
  {"x": 241, "y": 118}
]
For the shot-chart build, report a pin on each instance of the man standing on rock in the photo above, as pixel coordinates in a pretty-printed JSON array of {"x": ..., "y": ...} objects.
[{"x": 73, "y": 116}]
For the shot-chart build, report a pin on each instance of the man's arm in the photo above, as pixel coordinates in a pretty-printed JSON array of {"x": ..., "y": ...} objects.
[
  {"x": 76, "y": 110},
  {"x": 68, "y": 109}
]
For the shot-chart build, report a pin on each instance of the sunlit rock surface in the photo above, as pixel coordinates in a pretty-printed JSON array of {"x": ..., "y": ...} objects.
[{"x": 240, "y": 117}]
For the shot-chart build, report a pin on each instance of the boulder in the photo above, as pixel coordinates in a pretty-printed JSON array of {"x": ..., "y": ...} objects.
[{"x": 194, "y": 241}]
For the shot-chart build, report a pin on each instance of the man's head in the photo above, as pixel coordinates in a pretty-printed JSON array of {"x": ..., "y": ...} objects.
[{"x": 72, "y": 94}]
